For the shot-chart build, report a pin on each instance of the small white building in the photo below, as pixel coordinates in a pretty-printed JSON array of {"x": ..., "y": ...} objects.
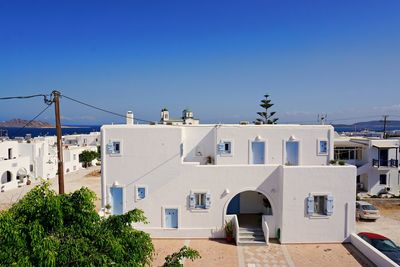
[
  {"x": 90, "y": 139},
  {"x": 377, "y": 162},
  {"x": 14, "y": 168},
  {"x": 186, "y": 119},
  {"x": 269, "y": 180}
]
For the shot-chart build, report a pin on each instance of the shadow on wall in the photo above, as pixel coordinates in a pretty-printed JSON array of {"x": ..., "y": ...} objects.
[
  {"x": 203, "y": 150},
  {"x": 270, "y": 187}
]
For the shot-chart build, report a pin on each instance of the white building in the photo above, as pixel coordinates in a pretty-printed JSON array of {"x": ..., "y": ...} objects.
[
  {"x": 270, "y": 180},
  {"x": 14, "y": 168},
  {"x": 186, "y": 119},
  {"x": 377, "y": 162},
  {"x": 90, "y": 139},
  {"x": 37, "y": 157}
]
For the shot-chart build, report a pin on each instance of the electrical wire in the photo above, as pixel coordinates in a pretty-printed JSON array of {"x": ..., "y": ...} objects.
[
  {"x": 29, "y": 122},
  {"x": 102, "y": 109},
  {"x": 45, "y": 98}
]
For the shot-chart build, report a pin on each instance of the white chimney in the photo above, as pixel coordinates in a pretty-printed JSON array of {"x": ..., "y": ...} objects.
[{"x": 129, "y": 118}]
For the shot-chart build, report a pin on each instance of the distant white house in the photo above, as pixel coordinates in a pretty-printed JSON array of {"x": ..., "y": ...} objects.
[
  {"x": 377, "y": 162},
  {"x": 37, "y": 157},
  {"x": 269, "y": 180},
  {"x": 14, "y": 168}
]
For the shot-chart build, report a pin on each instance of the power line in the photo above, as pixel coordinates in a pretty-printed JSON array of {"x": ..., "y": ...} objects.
[
  {"x": 46, "y": 100},
  {"x": 40, "y": 113},
  {"x": 102, "y": 109}
]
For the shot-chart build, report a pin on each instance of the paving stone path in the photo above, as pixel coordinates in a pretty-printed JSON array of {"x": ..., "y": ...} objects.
[{"x": 273, "y": 255}]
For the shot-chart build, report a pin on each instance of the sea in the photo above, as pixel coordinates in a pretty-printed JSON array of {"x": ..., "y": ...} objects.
[{"x": 13, "y": 132}]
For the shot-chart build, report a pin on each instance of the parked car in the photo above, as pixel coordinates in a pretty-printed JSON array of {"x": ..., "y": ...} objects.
[
  {"x": 367, "y": 211},
  {"x": 383, "y": 244}
]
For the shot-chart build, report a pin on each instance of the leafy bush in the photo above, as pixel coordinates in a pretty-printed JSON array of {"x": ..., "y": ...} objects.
[
  {"x": 46, "y": 229},
  {"x": 174, "y": 260}
]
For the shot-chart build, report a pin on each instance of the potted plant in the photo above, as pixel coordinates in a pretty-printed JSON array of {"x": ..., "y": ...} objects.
[{"x": 228, "y": 231}]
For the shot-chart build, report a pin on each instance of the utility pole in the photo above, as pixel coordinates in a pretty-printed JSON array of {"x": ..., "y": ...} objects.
[
  {"x": 384, "y": 126},
  {"x": 56, "y": 96}
]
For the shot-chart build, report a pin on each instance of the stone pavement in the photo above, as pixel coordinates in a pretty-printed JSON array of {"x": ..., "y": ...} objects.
[{"x": 273, "y": 255}]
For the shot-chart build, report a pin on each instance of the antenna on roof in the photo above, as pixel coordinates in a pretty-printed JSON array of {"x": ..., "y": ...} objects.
[{"x": 322, "y": 118}]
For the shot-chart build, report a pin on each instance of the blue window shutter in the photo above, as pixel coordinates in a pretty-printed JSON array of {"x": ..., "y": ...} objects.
[
  {"x": 310, "y": 205},
  {"x": 110, "y": 148},
  {"x": 208, "y": 200},
  {"x": 192, "y": 201},
  {"x": 329, "y": 205},
  {"x": 221, "y": 147}
]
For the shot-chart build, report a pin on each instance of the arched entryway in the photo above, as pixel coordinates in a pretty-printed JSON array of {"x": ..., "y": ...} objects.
[
  {"x": 6, "y": 177},
  {"x": 21, "y": 174},
  {"x": 249, "y": 206}
]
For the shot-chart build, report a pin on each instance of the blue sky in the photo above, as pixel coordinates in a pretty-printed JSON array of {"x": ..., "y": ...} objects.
[{"x": 217, "y": 57}]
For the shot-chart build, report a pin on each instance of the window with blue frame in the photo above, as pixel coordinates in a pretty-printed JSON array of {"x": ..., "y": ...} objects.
[
  {"x": 200, "y": 200},
  {"x": 322, "y": 147},
  {"x": 225, "y": 148},
  {"x": 141, "y": 192},
  {"x": 320, "y": 205}
]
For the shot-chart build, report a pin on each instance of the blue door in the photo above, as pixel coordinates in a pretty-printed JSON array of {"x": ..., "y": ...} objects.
[
  {"x": 234, "y": 205},
  {"x": 292, "y": 153},
  {"x": 258, "y": 152},
  {"x": 116, "y": 196},
  {"x": 171, "y": 218}
]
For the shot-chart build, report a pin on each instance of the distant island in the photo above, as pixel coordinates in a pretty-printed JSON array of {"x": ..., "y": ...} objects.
[
  {"x": 22, "y": 123},
  {"x": 390, "y": 124}
]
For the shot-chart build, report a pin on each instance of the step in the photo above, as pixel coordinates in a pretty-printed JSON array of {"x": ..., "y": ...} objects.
[{"x": 251, "y": 243}]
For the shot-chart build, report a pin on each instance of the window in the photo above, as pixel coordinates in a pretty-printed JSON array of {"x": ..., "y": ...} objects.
[
  {"x": 348, "y": 153},
  {"x": 225, "y": 148},
  {"x": 74, "y": 157},
  {"x": 320, "y": 205},
  {"x": 322, "y": 147},
  {"x": 141, "y": 192},
  {"x": 382, "y": 179},
  {"x": 113, "y": 148},
  {"x": 200, "y": 200},
  {"x": 31, "y": 168}
]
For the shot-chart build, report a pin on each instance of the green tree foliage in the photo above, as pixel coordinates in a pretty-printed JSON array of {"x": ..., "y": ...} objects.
[
  {"x": 46, "y": 229},
  {"x": 87, "y": 156},
  {"x": 265, "y": 115},
  {"x": 174, "y": 260}
]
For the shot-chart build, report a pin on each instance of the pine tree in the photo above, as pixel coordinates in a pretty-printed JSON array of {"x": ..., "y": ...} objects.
[{"x": 265, "y": 115}]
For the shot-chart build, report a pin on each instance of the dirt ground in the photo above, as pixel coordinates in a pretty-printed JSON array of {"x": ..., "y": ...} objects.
[
  {"x": 219, "y": 253},
  {"x": 388, "y": 224},
  {"x": 72, "y": 182},
  {"x": 327, "y": 255}
]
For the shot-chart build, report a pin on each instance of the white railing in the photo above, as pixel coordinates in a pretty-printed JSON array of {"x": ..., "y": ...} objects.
[
  {"x": 265, "y": 228},
  {"x": 370, "y": 252},
  {"x": 235, "y": 228}
]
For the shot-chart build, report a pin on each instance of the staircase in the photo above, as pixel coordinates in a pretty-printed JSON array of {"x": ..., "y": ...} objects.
[{"x": 251, "y": 236}]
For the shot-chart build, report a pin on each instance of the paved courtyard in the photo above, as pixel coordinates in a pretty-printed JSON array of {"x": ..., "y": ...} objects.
[{"x": 219, "y": 253}]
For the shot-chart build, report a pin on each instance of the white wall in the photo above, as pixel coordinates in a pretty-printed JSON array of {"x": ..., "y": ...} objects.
[{"x": 298, "y": 183}]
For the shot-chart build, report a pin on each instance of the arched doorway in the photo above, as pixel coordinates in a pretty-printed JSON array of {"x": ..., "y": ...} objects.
[
  {"x": 249, "y": 207},
  {"x": 6, "y": 177},
  {"x": 21, "y": 174}
]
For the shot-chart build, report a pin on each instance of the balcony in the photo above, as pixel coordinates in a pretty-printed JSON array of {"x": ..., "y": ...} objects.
[{"x": 390, "y": 163}]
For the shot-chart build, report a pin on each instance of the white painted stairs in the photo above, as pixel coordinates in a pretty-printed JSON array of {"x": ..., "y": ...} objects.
[{"x": 251, "y": 236}]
